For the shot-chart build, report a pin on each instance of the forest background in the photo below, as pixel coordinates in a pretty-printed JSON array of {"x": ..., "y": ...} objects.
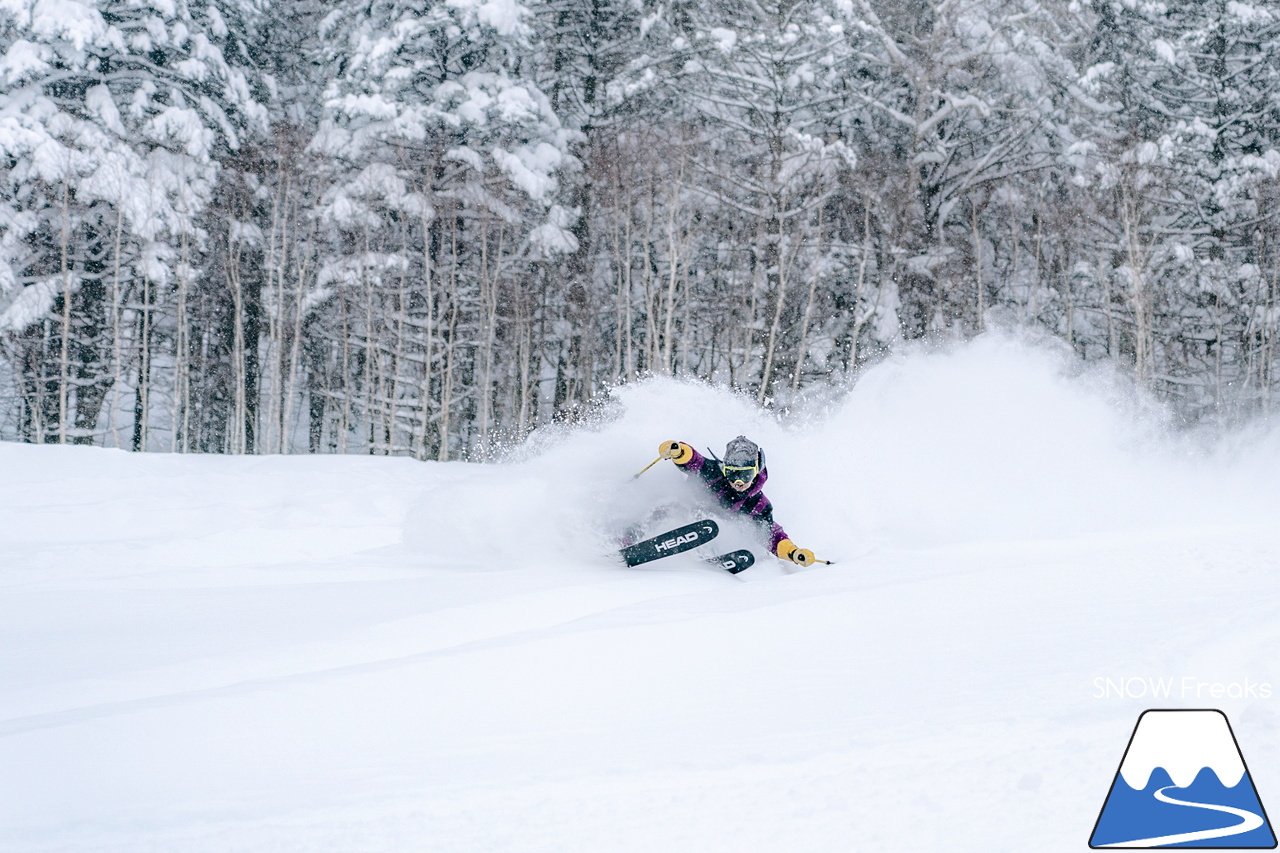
[{"x": 427, "y": 228}]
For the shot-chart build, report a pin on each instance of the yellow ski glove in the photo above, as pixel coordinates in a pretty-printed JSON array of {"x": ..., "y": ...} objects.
[
  {"x": 677, "y": 451},
  {"x": 787, "y": 550}
]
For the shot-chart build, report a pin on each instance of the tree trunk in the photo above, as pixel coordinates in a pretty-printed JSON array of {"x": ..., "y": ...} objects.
[{"x": 64, "y": 380}]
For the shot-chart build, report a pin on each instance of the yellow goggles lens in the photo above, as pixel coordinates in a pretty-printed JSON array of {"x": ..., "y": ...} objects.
[{"x": 739, "y": 473}]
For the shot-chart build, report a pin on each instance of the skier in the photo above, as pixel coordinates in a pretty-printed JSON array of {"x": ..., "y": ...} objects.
[{"x": 736, "y": 482}]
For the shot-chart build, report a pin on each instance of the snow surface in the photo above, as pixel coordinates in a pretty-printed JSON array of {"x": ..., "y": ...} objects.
[{"x": 366, "y": 654}]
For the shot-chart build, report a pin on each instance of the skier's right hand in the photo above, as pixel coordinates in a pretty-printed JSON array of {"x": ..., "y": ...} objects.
[{"x": 670, "y": 449}]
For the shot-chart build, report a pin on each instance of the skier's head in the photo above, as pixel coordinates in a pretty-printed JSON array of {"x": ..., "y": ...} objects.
[{"x": 743, "y": 461}]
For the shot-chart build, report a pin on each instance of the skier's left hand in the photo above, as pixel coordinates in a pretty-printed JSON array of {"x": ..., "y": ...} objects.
[
  {"x": 802, "y": 557},
  {"x": 787, "y": 550}
]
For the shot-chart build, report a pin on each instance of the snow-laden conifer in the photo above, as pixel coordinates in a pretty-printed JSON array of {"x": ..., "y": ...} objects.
[{"x": 113, "y": 119}]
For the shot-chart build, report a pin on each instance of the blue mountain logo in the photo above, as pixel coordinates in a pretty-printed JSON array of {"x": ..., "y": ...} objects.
[{"x": 1183, "y": 783}]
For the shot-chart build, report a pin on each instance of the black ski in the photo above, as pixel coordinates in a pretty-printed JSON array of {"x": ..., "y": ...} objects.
[
  {"x": 672, "y": 542},
  {"x": 734, "y": 561}
]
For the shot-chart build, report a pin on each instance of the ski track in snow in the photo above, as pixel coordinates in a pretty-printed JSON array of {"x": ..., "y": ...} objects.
[{"x": 360, "y": 654}]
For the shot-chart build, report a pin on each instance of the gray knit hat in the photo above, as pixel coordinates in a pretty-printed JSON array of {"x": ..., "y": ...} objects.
[{"x": 743, "y": 452}]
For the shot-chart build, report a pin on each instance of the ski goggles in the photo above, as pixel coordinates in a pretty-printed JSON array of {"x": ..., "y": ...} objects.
[{"x": 740, "y": 473}]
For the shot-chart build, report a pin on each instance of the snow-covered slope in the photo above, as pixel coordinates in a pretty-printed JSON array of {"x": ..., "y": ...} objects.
[{"x": 365, "y": 654}]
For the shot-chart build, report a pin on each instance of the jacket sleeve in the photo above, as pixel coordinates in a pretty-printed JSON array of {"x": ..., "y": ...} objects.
[
  {"x": 762, "y": 514},
  {"x": 777, "y": 536}
]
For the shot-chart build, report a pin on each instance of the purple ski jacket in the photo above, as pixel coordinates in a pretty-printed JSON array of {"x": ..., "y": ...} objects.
[{"x": 751, "y": 503}]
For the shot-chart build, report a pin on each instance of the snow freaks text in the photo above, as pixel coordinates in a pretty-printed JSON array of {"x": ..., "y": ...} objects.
[{"x": 1186, "y": 687}]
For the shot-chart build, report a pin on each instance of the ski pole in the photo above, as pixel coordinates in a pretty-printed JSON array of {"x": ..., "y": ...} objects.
[{"x": 647, "y": 467}]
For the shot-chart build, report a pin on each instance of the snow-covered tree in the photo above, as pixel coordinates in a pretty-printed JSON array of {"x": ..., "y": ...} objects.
[
  {"x": 1178, "y": 141},
  {"x": 447, "y": 156},
  {"x": 427, "y": 226},
  {"x": 113, "y": 119},
  {"x": 765, "y": 78},
  {"x": 961, "y": 110},
  {"x": 582, "y": 48}
]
